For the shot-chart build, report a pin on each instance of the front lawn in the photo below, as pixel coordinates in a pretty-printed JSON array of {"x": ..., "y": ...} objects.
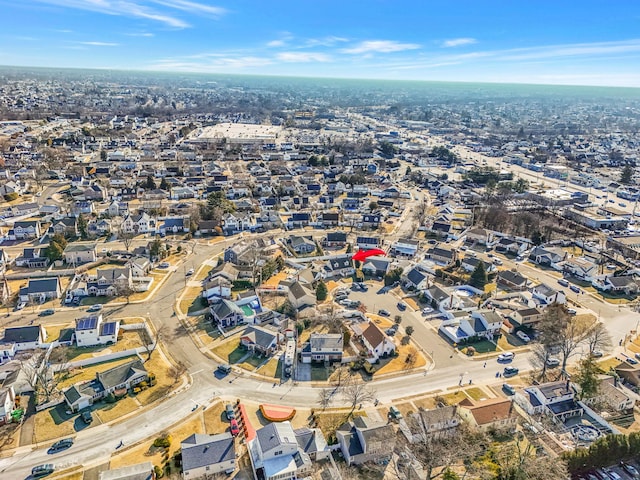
[
  {"x": 53, "y": 423},
  {"x": 112, "y": 411},
  {"x": 319, "y": 374},
  {"x": 84, "y": 374},
  {"x": 481, "y": 346},
  {"x": 273, "y": 368}
]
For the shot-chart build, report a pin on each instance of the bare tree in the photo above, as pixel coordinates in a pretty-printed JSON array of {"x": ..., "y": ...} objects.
[
  {"x": 149, "y": 343},
  {"x": 176, "y": 371},
  {"x": 598, "y": 338},
  {"x": 357, "y": 392},
  {"x": 125, "y": 237},
  {"x": 324, "y": 397},
  {"x": 40, "y": 374},
  {"x": 574, "y": 334},
  {"x": 519, "y": 462}
]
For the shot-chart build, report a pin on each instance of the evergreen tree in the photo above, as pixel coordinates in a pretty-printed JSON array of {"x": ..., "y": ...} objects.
[
  {"x": 164, "y": 185},
  {"x": 479, "y": 276},
  {"x": 627, "y": 173},
  {"x": 82, "y": 226},
  {"x": 321, "y": 291},
  {"x": 149, "y": 184},
  {"x": 587, "y": 377}
]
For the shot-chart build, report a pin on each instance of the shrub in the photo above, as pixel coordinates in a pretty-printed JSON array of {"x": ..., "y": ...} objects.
[
  {"x": 163, "y": 441},
  {"x": 10, "y": 196},
  {"x": 158, "y": 471},
  {"x": 137, "y": 389},
  {"x": 111, "y": 398}
]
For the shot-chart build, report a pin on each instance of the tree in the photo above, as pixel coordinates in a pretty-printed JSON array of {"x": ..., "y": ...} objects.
[
  {"x": 103, "y": 155},
  {"x": 598, "y": 338},
  {"x": 55, "y": 249},
  {"x": 626, "y": 175},
  {"x": 40, "y": 370},
  {"x": 155, "y": 249},
  {"x": 479, "y": 277},
  {"x": 387, "y": 150},
  {"x": 393, "y": 276},
  {"x": 409, "y": 330},
  {"x": 82, "y": 226},
  {"x": 357, "y": 392},
  {"x": 321, "y": 291},
  {"x": 176, "y": 371},
  {"x": 373, "y": 206},
  {"x": 518, "y": 462},
  {"x": 149, "y": 184},
  {"x": 148, "y": 342},
  {"x": 324, "y": 397},
  {"x": 587, "y": 377},
  {"x": 126, "y": 238},
  {"x": 397, "y": 319},
  {"x": 164, "y": 185},
  {"x": 449, "y": 474}
]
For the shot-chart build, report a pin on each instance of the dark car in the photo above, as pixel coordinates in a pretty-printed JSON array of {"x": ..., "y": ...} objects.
[
  {"x": 61, "y": 445},
  {"x": 383, "y": 312},
  {"x": 631, "y": 361},
  {"x": 235, "y": 430},
  {"x": 229, "y": 412},
  {"x": 87, "y": 417},
  {"x": 509, "y": 390},
  {"x": 574, "y": 288},
  {"x": 630, "y": 469},
  {"x": 402, "y": 306},
  {"x": 48, "y": 311},
  {"x": 391, "y": 331},
  {"x": 510, "y": 372},
  {"x": 42, "y": 470}
]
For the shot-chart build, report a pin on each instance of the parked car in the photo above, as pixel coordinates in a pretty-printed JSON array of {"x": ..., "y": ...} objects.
[
  {"x": 229, "y": 412},
  {"x": 637, "y": 355},
  {"x": 224, "y": 369},
  {"x": 189, "y": 272},
  {"x": 597, "y": 353},
  {"x": 574, "y": 288},
  {"x": 506, "y": 357},
  {"x": 631, "y": 361},
  {"x": 47, "y": 312},
  {"x": 61, "y": 445},
  {"x": 164, "y": 265},
  {"x": 563, "y": 282},
  {"x": 384, "y": 313},
  {"x": 42, "y": 470},
  {"x": 235, "y": 430},
  {"x": 552, "y": 362},
  {"x": 523, "y": 336},
  {"x": 572, "y": 311},
  {"x": 20, "y": 306},
  {"x": 509, "y": 390},
  {"x": 95, "y": 308},
  {"x": 87, "y": 417},
  {"x": 427, "y": 310},
  {"x": 510, "y": 372},
  {"x": 402, "y": 306},
  {"x": 391, "y": 331},
  {"x": 395, "y": 413},
  {"x": 630, "y": 469}
]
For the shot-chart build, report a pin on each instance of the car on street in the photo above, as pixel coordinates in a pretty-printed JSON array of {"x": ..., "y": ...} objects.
[
  {"x": 224, "y": 369},
  {"x": 95, "y": 308},
  {"x": 575, "y": 288},
  {"x": 572, "y": 311},
  {"x": 401, "y": 306},
  {"x": 235, "y": 430},
  {"x": 391, "y": 331},
  {"x": 552, "y": 362},
  {"x": 345, "y": 302},
  {"x": 87, "y": 417},
  {"x": 384, "y": 313},
  {"x": 395, "y": 413},
  {"x": 189, "y": 272},
  {"x": 164, "y": 265},
  {"x": 563, "y": 282},
  {"x": 229, "y": 412},
  {"x": 631, "y": 361},
  {"x": 20, "y": 306},
  {"x": 47, "y": 312},
  {"x": 630, "y": 469},
  {"x": 637, "y": 355},
  {"x": 510, "y": 372},
  {"x": 42, "y": 470},
  {"x": 523, "y": 336},
  {"x": 506, "y": 357},
  {"x": 61, "y": 445},
  {"x": 427, "y": 310},
  {"x": 597, "y": 353}
]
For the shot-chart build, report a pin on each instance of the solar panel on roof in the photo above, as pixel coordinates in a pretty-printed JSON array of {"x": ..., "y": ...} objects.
[
  {"x": 109, "y": 328},
  {"x": 87, "y": 323}
]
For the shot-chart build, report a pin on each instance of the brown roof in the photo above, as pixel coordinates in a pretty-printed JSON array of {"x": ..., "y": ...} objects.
[
  {"x": 491, "y": 410},
  {"x": 373, "y": 335}
]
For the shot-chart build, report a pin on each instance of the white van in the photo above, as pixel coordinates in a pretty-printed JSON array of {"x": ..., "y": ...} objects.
[
  {"x": 523, "y": 336},
  {"x": 552, "y": 362}
]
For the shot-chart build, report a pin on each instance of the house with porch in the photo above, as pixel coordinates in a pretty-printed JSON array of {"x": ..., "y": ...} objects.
[
  {"x": 376, "y": 343},
  {"x": 301, "y": 296},
  {"x": 261, "y": 340},
  {"x": 548, "y": 256},
  {"x": 544, "y": 295},
  {"x": 322, "y": 347},
  {"x": 17, "y": 339},
  {"x": 39, "y": 290},
  {"x": 110, "y": 282},
  {"x": 25, "y": 230},
  {"x": 581, "y": 268},
  {"x": 442, "y": 256},
  {"x": 556, "y": 399},
  {"x": 492, "y": 413},
  {"x": 205, "y": 455},
  {"x": 32, "y": 258},
  {"x": 226, "y": 313},
  {"x": 364, "y": 440},
  {"x": 610, "y": 283},
  {"x": 338, "y": 266},
  {"x": 116, "y": 380},
  {"x": 92, "y": 330},
  {"x": 405, "y": 247},
  {"x": 512, "y": 280},
  {"x": 416, "y": 279}
]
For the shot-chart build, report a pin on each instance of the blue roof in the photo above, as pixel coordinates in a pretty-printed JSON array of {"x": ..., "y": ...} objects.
[
  {"x": 87, "y": 323},
  {"x": 109, "y": 328}
]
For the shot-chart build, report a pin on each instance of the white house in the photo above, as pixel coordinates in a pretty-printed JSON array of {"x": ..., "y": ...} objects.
[
  {"x": 323, "y": 347},
  {"x": 377, "y": 343},
  {"x": 139, "y": 223},
  {"x": 204, "y": 455},
  {"x": 93, "y": 330},
  {"x": 80, "y": 252},
  {"x": 545, "y": 295},
  {"x": 7, "y": 403}
]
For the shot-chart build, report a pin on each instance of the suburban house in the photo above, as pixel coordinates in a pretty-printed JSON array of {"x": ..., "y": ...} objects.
[
  {"x": 479, "y": 236},
  {"x": 433, "y": 423},
  {"x": 32, "y": 258},
  {"x": 67, "y": 226},
  {"x": 174, "y": 225},
  {"x": 261, "y": 340},
  {"x": 405, "y": 247},
  {"x": 301, "y": 296},
  {"x": 630, "y": 373},
  {"x": 367, "y": 243},
  {"x": 322, "y": 347},
  {"x": 80, "y": 252},
  {"x": 611, "y": 394},
  {"x": 116, "y": 380},
  {"x": 364, "y": 440},
  {"x": 226, "y": 313},
  {"x": 512, "y": 279},
  {"x": 548, "y": 256},
  {"x": 312, "y": 442},
  {"x": 416, "y": 279},
  {"x": 481, "y": 323},
  {"x": 276, "y": 455},
  {"x": 611, "y": 283},
  {"x": 442, "y": 256},
  {"x": 339, "y": 266},
  {"x": 217, "y": 287},
  {"x": 545, "y": 295},
  {"x": 335, "y": 239},
  {"x": 140, "y": 266},
  {"x": 204, "y": 455},
  {"x": 493, "y": 413},
  {"x": 139, "y": 223},
  {"x": 139, "y": 471},
  {"x": 302, "y": 245},
  {"x": 40, "y": 290},
  {"x": 376, "y": 342},
  {"x": 25, "y": 230},
  {"x": 7, "y": 404},
  {"x": 376, "y": 266},
  {"x": 470, "y": 263},
  {"x": 553, "y": 398},
  {"x": 580, "y": 268},
  {"x": 110, "y": 282},
  {"x": 17, "y": 339},
  {"x": 526, "y": 316},
  {"x": 93, "y": 330}
]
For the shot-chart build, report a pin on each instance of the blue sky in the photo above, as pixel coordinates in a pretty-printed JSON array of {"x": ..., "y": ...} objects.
[{"x": 561, "y": 42}]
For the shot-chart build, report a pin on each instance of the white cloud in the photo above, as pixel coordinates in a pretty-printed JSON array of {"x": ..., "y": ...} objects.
[
  {"x": 100, "y": 44},
  {"x": 136, "y": 9},
  {"x": 380, "y": 46},
  {"x": 325, "y": 41},
  {"x": 276, "y": 43},
  {"x": 458, "y": 42},
  {"x": 141, "y": 34},
  {"x": 210, "y": 63},
  {"x": 302, "y": 57}
]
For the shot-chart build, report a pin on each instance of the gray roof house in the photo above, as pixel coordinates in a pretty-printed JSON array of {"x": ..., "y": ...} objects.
[
  {"x": 139, "y": 471},
  {"x": 226, "y": 313},
  {"x": 41, "y": 290},
  {"x": 204, "y": 455},
  {"x": 260, "y": 339},
  {"x": 24, "y": 338},
  {"x": 323, "y": 347},
  {"x": 362, "y": 440}
]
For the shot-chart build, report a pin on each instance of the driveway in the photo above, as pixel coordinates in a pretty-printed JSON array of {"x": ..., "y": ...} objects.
[{"x": 303, "y": 372}]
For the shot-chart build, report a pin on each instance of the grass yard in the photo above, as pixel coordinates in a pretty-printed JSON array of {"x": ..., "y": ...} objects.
[
  {"x": 53, "y": 331},
  {"x": 160, "y": 367},
  {"x": 329, "y": 421},
  {"x": 476, "y": 393},
  {"x": 215, "y": 420},
  {"x": 83, "y": 374},
  {"x": 272, "y": 369},
  {"x": 108, "y": 412},
  {"x": 453, "y": 398},
  {"x": 202, "y": 273},
  {"x": 251, "y": 363},
  {"x": 190, "y": 301},
  {"x": 9, "y": 437},
  {"x": 482, "y": 346},
  {"x": 319, "y": 374},
  {"x": 73, "y": 473},
  {"x": 426, "y": 403},
  {"x": 128, "y": 340},
  {"x": 53, "y": 423},
  {"x": 608, "y": 364},
  {"x": 230, "y": 350},
  {"x": 147, "y": 453},
  {"x": 399, "y": 363}
]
